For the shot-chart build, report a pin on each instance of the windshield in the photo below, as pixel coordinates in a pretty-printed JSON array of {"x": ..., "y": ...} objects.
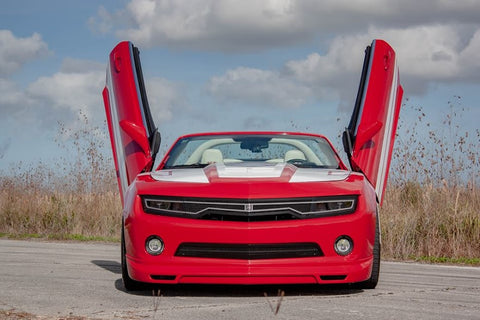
[{"x": 299, "y": 150}]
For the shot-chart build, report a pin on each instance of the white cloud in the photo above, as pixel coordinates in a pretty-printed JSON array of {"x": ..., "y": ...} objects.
[
  {"x": 103, "y": 22},
  {"x": 75, "y": 88},
  {"x": 469, "y": 56},
  {"x": 15, "y": 52},
  {"x": 251, "y": 25},
  {"x": 206, "y": 24},
  {"x": 436, "y": 41},
  {"x": 70, "y": 89},
  {"x": 11, "y": 96},
  {"x": 426, "y": 55},
  {"x": 258, "y": 87},
  {"x": 163, "y": 98}
]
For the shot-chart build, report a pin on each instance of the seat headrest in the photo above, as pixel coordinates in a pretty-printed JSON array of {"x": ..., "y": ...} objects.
[
  {"x": 211, "y": 156},
  {"x": 294, "y": 154}
]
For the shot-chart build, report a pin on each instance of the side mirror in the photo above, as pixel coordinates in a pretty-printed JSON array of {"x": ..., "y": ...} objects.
[
  {"x": 155, "y": 140},
  {"x": 347, "y": 142}
]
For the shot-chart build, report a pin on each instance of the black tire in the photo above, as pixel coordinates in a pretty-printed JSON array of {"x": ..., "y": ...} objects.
[
  {"x": 128, "y": 283},
  {"x": 372, "y": 282}
]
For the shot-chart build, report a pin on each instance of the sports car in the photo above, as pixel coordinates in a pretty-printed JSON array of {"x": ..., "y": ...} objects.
[{"x": 251, "y": 207}]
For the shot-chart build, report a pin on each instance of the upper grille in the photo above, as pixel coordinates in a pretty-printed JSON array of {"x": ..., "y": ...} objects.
[{"x": 249, "y": 210}]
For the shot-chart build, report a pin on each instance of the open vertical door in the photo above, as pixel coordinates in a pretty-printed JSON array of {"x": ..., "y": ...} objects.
[
  {"x": 368, "y": 139},
  {"x": 134, "y": 137}
]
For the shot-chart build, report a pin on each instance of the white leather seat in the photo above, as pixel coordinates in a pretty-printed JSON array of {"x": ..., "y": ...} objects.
[
  {"x": 294, "y": 154},
  {"x": 212, "y": 156}
]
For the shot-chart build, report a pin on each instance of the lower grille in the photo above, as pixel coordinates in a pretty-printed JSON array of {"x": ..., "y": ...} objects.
[{"x": 249, "y": 251}]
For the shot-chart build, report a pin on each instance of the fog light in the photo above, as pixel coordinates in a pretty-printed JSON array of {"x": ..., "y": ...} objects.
[
  {"x": 343, "y": 245},
  {"x": 154, "y": 245}
]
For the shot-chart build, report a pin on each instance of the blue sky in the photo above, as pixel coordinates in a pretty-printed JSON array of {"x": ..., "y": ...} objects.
[{"x": 227, "y": 65}]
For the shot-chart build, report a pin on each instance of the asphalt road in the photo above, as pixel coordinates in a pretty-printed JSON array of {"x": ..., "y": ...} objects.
[{"x": 61, "y": 280}]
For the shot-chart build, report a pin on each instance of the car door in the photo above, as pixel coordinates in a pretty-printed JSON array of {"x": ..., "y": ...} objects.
[
  {"x": 134, "y": 137},
  {"x": 369, "y": 137}
]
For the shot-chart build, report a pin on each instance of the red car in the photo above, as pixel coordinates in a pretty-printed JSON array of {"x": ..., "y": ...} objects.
[{"x": 252, "y": 207}]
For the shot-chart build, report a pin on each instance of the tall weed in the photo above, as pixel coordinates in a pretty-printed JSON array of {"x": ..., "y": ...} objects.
[
  {"x": 432, "y": 204},
  {"x": 77, "y": 195}
]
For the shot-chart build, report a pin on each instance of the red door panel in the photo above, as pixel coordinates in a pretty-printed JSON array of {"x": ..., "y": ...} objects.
[
  {"x": 133, "y": 134},
  {"x": 370, "y": 135}
]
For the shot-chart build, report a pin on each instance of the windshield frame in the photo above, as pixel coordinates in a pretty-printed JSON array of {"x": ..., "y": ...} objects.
[{"x": 330, "y": 159}]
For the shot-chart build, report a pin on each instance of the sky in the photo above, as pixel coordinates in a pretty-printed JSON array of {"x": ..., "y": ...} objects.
[{"x": 280, "y": 65}]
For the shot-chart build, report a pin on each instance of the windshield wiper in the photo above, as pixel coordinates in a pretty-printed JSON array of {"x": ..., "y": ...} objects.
[
  {"x": 183, "y": 166},
  {"x": 315, "y": 166}
]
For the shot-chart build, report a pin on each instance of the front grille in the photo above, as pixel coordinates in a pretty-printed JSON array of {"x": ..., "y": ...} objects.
[
  {"x": 249, "y": 251},
  {"x": 249, "y": 210}
]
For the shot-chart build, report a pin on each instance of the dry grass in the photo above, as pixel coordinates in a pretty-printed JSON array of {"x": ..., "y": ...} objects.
[
  {"x": 25, "y": 210},
  {"x": 426, "y": 221},
  {"x": 431, "y": 207},
  {"x": 72, "y": 197}
]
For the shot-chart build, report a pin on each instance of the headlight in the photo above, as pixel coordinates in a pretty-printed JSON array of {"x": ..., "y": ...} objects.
[
  {"x": 153, "y": 205},
  {"x": 334, "y": 206}
]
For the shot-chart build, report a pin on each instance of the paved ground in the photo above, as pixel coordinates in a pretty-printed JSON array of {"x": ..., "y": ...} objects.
[{"x": 59, "y": 280}]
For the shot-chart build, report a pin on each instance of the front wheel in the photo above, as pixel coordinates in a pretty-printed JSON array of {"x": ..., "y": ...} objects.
[
  {"x": 128, "y": 283},
  {"x": 372, "y": 282}
]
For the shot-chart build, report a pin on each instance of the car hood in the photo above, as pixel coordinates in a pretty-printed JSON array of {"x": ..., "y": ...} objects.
[
  {"x": 280, "y": 172},
  {"x": 250, "y": 181}
]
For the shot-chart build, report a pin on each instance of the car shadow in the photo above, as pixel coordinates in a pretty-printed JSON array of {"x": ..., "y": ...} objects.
[
  {"x": 112, "y": 266},
  {"x": 212, "y": 290}
]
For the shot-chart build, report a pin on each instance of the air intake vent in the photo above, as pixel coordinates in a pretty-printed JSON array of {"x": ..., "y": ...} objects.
[
  {"x": 333, "y": 277},
  {"x": 162, "y": 277},
  {"x": 249, "y": 251}
]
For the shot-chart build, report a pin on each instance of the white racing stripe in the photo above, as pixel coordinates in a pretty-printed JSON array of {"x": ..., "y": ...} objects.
[
  {"x": 387, "y": 140},
  {"x": 120, "y": 153},
  {"x": 181, "y": 175},
  {"x": 197, "y": 175},
  {"x": 319, "y": 175},
  {"x": 246, "y": 171}
]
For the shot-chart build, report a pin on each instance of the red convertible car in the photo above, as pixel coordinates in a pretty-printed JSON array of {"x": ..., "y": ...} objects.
[{"x": 252, "y": 207}]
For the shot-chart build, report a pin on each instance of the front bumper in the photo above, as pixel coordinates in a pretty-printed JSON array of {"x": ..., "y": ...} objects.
[{"x": 326, "y": 269}]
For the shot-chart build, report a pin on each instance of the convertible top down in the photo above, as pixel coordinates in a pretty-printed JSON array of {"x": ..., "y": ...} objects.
[{"x": 251, "y": 207}]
